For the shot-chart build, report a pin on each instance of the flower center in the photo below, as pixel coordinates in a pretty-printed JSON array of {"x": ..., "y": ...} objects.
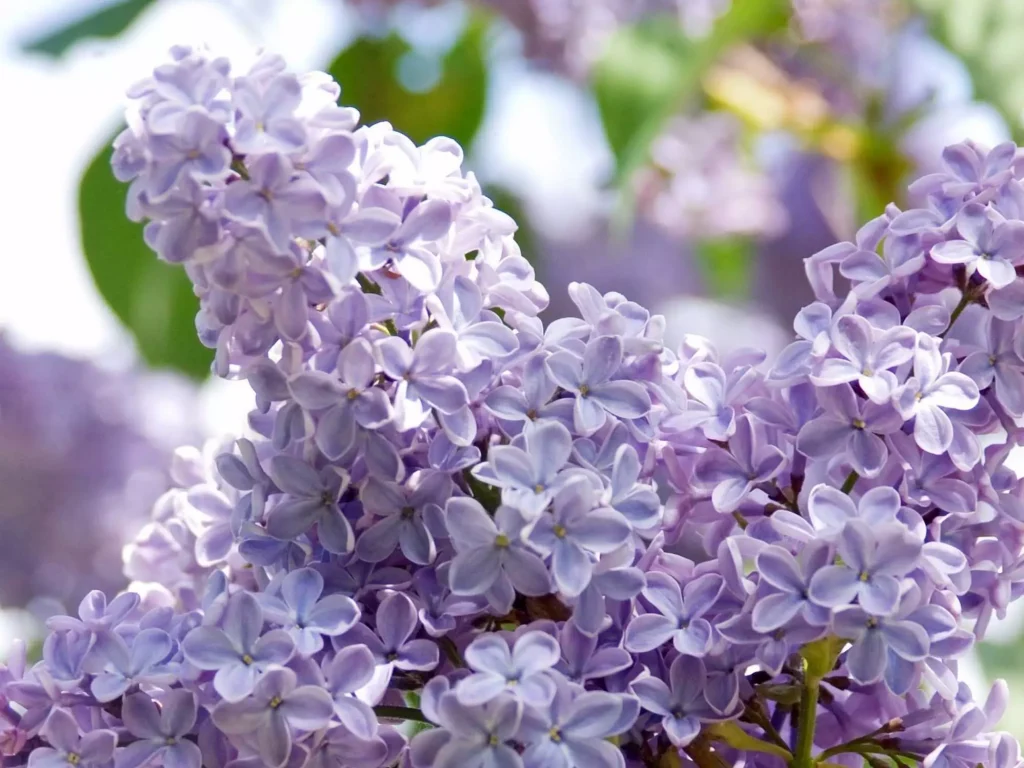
[
  {"x": 532, "y": 414},
  {"x": 559, "y": 531},
  {"x": 352, "y": 394},
  {"x": 494, "y": 740},
  {"x": 555, "y": 734},
  {"x": 276, "y": 702},
  {"x": 584, "y": 390},
  {"x": 74, "y": 758},
  {"x": 247, "y": 659},
  {"x": 501, "y": 541},
  {"x": 864, "y": 576},
  {"x": 858, "y": 424},
  {"x": 539, "y": 488}
]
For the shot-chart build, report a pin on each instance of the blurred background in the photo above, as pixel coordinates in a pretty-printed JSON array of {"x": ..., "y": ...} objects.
[{"x": 687, "y": 153}]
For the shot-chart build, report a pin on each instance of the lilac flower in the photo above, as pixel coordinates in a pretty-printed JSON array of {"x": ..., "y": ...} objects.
[
  {"x": 421, "y": 375},
  {"x": 391, "y": 644},
  {"x": 582, "y": 660},
  {"x": 575, "y": 533},
  {"x": 850, "y": 427},
  {"x": 410, "y": 515},
  {"x": 990, "y": 244},
  {"x": 406, "y": 250},
  {"x": 530, "y": 476},
  {"x": 873, "y": 636},
  {"x": 468, "y": 735},
  {"x": 490, "y": 559},
  {"x": 277, "y": 706},
  {"x": 305, "y": 613},
  {"x": 160, "y": 732},
  {"x": 95, "y": 615},
  {"x": 351, "y": 669},
  {"x": 69, "y": 747},
  {"x": 830, "y": 510},
  {"x": 999, "y": 363},
  {"x": 590, "y": 380},
  {"x": 679, "y": 615},
  {"x": 873, "y": 560},
  {"x": 681, "y": 703},
  {"x": 933, "y": 389},
  {"x": 867, "y": 357},
  {"x": 715, "y": 395},
  {"x": 572, "y": 729},
  {"x": 901, "y": 258},
  {"x": 481, "y": 334},
  {"x": 347, "y": 401},
  {"x": 198, "y": 151},
  {"x": 532, "y": 399},
  {"x": 237, "y": 652},
  {"x": 348, "y": 230},
  {"x": 266, "y": 120},
  {"x": 274, "y": 200},
  {"x": 927, "y": 481},
  {"x": 312, "y": 500},
  {"x": 733, "y": 474},
  {"x": 812, "y": 325},
  {"x": 790, "y": 579},
  {"x": 146, "y": 661},
  {"x": 637, "y": 502},
  {"x": 522, "y": 672}
]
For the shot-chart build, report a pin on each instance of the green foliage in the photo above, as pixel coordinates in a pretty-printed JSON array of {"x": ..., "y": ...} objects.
[
  {"x": 106, "y": 23},
  {"x": 820, "y": 657},
  {"x": 153, "y": 299},
  {"x": 727, "y": 266},
  {"x": 453, "y": 106},
  {"x": 652, "y": 69},
  {"x": 986, "y": 35}
]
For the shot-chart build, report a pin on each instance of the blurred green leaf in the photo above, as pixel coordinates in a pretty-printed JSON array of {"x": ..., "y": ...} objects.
[
  {"x": 453, "y": 106},
  {"x": 652, "y": 69},
  {"x": 153, "y": 299},
  {"x": 106, "y": 23},
  {"x": 727, "y": 266},
  {"x": 986, "y": 35}
]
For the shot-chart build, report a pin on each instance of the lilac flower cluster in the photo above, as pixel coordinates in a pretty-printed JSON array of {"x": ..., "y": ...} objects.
[
  {"x": 455, "y": 536},
  {"x": 79, "y": 443}
]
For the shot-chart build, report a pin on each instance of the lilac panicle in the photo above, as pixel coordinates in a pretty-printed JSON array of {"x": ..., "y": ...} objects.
[{"x": 551, "y": 546}]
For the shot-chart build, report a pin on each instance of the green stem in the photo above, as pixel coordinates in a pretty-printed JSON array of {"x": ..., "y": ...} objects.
[
  {"x": 805, "y": 732},
  {"x": 401, "y": 713},
  {"x": 965, "y": 299},
  {"x": 851, "y": 480}
]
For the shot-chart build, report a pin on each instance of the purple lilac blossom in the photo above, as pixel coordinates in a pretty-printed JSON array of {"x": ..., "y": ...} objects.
[{"x": 653, "y": 579}]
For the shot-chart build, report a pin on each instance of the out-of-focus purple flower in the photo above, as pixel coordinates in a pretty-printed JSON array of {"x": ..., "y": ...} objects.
[{"x": 312, "y": 500}]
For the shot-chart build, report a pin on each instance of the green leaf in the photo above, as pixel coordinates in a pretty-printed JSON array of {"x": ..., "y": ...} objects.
[
  {"x": 727, "y": 266},
  {"x": 453, "y": 106},
  {"x": 820, "y": 657},
  {"x": 650, "y": 70},
  {"x": 986, "y": 35},
  {"x": 153, "y": 299},
  {"x": 731, "y": 733},
  {"x": 106, "y": 23}
]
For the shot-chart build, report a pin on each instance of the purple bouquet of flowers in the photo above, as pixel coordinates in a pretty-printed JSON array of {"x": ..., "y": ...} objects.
[{"x": 455, "y": 536}]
